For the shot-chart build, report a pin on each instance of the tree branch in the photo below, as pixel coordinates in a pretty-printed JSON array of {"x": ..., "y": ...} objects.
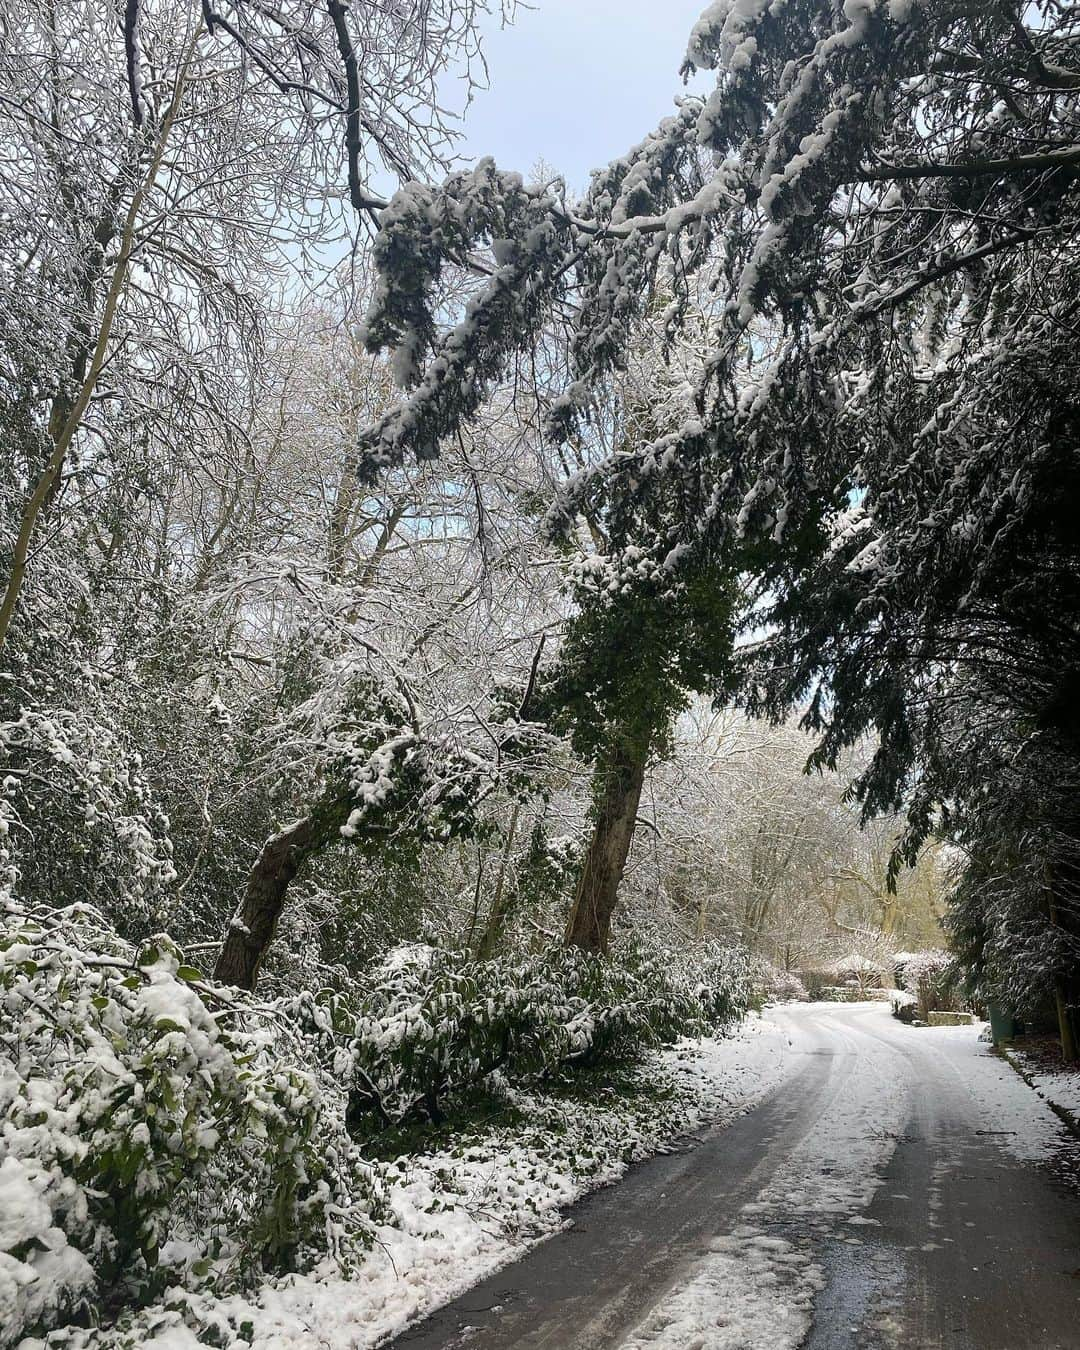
[
  {"x": 358, "y": 194},
  {"x": 131, "y": 56},
  {"x": 975, "y": 168}
]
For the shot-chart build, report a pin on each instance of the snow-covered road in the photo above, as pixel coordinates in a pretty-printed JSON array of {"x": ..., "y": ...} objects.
[{"x": 896, "y": 1190}]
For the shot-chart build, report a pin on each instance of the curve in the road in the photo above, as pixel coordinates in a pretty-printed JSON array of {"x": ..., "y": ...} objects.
[{"x": 870, "y": 1201}]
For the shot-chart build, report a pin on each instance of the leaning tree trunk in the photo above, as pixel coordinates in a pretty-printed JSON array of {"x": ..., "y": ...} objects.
[
  {"x": 252, "y": 928},
  {"x": 623, "y": 774}
]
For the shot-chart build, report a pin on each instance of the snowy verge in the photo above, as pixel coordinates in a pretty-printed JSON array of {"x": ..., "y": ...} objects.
[
  {"x": 1056, "y": 1083},
  {"x": 464, "y": 1212}
]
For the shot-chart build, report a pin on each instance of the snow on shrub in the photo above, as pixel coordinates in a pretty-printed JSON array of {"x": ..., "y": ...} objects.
[
  {"x": 723, "y": 981},
  {"x": 903, "y": 1005},
  {"x": 140, "y": 1125},
  {"x": 158, "y": 1132},
  {"x": 433, "y": 1023},
  {"x": 780, "y": 986},
  {"x": 932, "y": 977}
]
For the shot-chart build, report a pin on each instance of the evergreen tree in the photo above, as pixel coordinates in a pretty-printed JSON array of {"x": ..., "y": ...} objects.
[{"x": 887, "y": 197}]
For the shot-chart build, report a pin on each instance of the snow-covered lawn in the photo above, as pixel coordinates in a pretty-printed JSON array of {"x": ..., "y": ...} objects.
[{"x": 461, "y": 1214}]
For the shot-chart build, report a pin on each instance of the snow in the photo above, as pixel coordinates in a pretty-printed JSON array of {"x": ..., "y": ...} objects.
[
  {"x": 755, "y": 1286},
  {"x": 722, "y": 34},
  {"x": 1056, "y": 1083},
  {"x": 1063, "y": 1089},
  {"x": 1020, "y": 1124},
  {"x": 900, "y": 998},
  {"x": 751, "y": 1291},
  {"x": 50, "y": 1273},
  {"x": 459, "y": 1216},
  {"x": 855, "y": 962}
]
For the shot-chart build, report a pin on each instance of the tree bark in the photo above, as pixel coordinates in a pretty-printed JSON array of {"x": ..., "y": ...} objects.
[
  {"x": 500, "y": 903},
  {"x": 623, "y": 775},
  {"x": 1058, "y": 879},
  {"x": 1065, "y": 1022},
  {"x": 252, "y": 928}
]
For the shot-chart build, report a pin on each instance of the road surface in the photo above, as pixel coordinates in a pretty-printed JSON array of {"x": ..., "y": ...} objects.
[{"x": 902, "y": 1189}]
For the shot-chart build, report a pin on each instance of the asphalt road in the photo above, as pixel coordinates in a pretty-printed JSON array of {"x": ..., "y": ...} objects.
[{"x": 882, "y": 1193}]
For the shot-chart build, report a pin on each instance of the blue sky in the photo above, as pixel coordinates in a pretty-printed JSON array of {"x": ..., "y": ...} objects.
[{"x": 576, "y": 82}]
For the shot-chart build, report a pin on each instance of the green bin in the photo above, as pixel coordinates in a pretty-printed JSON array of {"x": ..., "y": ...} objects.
[{"x": 1003, "y": 1025}]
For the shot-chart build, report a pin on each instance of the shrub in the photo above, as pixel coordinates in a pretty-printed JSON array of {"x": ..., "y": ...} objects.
[
  {"x": 899, "y": 964},
  {"x": 780, "y": 986},
  {"x": 721, "y": 978},
  {"x": 933, "y": 978},
  {"x": 158, "y": 1131},
  {"x": 815, "y": 981},
  {"x": 903, "y": 1005},
  {"x": 433, "y": 1023},
  {"x": 134, "y": 1117}
]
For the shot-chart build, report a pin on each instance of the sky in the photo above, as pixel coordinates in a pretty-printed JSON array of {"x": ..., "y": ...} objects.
[{"x": 576, "y": 82}]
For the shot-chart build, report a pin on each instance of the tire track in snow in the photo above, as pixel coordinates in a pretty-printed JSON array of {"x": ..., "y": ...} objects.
[{"x": 757, "y": 1284}]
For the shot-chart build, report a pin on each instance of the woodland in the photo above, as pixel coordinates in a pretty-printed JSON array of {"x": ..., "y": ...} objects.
[{"x": 457, "y": 634}]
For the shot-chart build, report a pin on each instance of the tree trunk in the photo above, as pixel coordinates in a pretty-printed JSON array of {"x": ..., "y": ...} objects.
[
  {"x": 500, "y": 903},
  {"x": 1062, "y": 878},
  {"x": 702, "y": 916},
  {"x": 252, "y": 928},
  {"x": 1065, "y": 1022},
  {"x": 66, "y": 415},
  {"x": 590, "y": 920}
]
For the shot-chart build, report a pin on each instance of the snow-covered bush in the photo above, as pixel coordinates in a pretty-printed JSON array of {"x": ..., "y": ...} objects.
[
  {"x": 780, "y": 986},
  {"x": 84, "y": 822},
  {"x": 158, "y": 1131},
  {"x": 933, "y": 978},
  {"x": 433, "y": 1023},
  {"x": 722, "y": 977},
  {"x": 902, "y": 1005},
  {"x": 146, "y": 1137}
]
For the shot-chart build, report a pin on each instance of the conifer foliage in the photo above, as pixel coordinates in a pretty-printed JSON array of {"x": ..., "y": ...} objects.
[
  {"x": 884, "y": 197},
  {"x": 360, "y": 559}
]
